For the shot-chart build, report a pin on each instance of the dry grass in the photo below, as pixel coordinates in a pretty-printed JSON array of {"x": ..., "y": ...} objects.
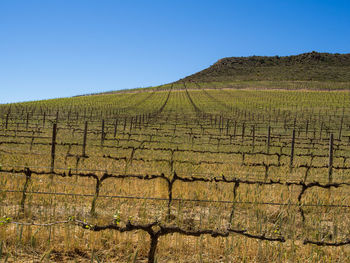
[{"x": 71, "y": 243}]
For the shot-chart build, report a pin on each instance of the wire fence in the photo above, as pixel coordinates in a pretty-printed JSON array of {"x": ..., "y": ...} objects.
[
  {"x": 177, "y": 199},
  {"x": 155, "y": 230}
]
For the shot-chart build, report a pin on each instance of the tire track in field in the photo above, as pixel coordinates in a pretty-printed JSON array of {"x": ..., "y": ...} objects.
[
  {"x": 197, "y": 110},
  {"x": 211, "y": 97}
]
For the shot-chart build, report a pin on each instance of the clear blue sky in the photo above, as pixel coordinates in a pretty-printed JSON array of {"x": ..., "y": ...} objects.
[{"x": 60, "y": 48}]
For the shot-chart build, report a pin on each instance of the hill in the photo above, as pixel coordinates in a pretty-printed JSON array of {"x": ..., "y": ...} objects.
[{"x": 311, "y": 66}]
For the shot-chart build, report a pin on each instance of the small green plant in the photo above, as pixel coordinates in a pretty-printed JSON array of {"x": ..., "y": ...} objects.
[
  {"x": 86, "y": 225},
  {"x": 5, "y": 220},
  {"x": 116, "y": 217}
]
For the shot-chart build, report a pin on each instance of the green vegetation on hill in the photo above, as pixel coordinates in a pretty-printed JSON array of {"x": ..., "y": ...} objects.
[{"x": 312, "y": 66}]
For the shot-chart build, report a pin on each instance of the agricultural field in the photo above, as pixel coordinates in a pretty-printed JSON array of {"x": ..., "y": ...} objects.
[{"x": 185, "y": 172}]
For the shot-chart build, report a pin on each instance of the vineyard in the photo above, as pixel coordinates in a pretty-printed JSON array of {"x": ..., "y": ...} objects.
[{"x": 185, "y": 172}]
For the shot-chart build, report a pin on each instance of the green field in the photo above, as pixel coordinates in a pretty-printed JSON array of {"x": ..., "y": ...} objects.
[{"x": 186, "y": 172}]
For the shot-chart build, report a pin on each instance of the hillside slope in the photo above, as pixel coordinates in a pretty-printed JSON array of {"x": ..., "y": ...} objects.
[{"x": 311, "y": 66}]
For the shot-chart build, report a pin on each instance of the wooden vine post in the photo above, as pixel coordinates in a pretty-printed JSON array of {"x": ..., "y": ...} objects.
[
  {"x": 44, "y": 118},
  {"x": 84, "y": 139},
  {"x": 53, "y": 147},
  {"x": 115, "y": 128},
  {"x": 57, "y": 116},
  {"x": 102, "y": 132},
  {"x": 243, "y": 131},
  {"x": 268, "y": 139},
  {"x": 227, "y": 127},
  {"x": 330, "y": 161},
  {"x": 253, "y": 142},
  {"x": 292, "y": 151}
]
